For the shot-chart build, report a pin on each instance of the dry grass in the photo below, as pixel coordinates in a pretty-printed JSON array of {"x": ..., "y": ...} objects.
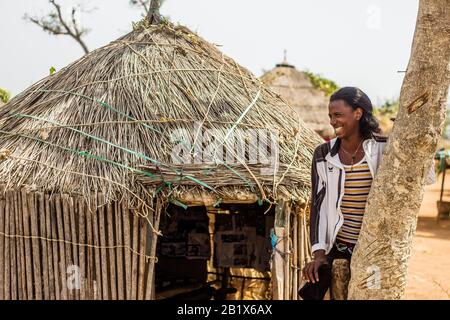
[{"x": 109, "y": 114}]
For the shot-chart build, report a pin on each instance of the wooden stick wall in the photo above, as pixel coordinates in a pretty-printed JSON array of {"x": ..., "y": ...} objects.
[
  {"x": 292, "y": 251},
  {"x": 60, "y": 247}
]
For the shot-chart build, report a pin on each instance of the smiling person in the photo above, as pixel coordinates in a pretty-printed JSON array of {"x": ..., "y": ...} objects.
[
  {"x": 342, "y": 174},
  {"x": 341, "y": 177}
]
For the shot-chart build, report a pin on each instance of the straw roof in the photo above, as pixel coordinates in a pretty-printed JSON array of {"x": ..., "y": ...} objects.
[
  {"x": 105, "y": 123},
  {"x": 299, "y": 92}
]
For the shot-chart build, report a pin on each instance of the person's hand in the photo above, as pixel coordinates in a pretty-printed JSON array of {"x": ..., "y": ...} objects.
[{"x": 311, "y": 270}]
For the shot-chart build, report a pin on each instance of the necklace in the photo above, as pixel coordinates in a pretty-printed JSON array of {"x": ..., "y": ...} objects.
[{"x": 352, "y": 155}]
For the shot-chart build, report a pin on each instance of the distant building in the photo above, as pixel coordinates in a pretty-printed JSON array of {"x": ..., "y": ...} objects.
[{"x": 298, "y": 91}]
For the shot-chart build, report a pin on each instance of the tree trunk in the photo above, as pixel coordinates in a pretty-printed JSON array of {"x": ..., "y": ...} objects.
[
  {"x": 153, "y": 13},
  {"x": 379, "y": 263}
]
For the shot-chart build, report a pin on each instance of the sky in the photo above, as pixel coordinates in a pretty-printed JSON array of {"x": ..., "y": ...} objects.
[{"x": 361, "y": 43}]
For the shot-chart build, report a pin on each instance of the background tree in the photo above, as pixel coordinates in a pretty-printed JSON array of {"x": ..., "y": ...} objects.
[
  {"x": 56, "y": 23},
  {"x": 385, "y": 114},
  {"x": 379, "y": 264},
  {"x": 319, "y": 82},
  {"x": 144, "y": 5}
]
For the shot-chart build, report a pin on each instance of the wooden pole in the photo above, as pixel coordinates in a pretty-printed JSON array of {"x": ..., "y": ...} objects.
[
  {"x": 91, "y": 291},
  {"x": 62, "y": 247},
  {"x": 48, "y": 235},
  {"x": 22, "y": 286},
  {"x": 8, "y": 208},
  {"x": 82, "y": 248},
  {"x": 28, "y": 254},
  {"x": 3, "y": 239},
  {"x": 97, "y": 263},
  {"x": 112, "y": 252},
  {"x": 278, "y": 260},
  {"x": 295, "y": 257},
  {"x": 301, "y": 246},
  {"x": 119, "y": 251},
  {"x": 308, "y": 253},
  {"x": 127, "y": 241},
  {"x": 134, "y": 264},
  {"x": 154, "y": 240},
  {"x": 44, "y": 243},
  {"x": 32, "y": 210},
  {"x": 287, "y": 250},
  {"x": 55, "y": 248},
  {"x": 12, "y": 246},
  {"x": 73, "y": 229},
  {"x": 104, "y": 255},
  {"x": 142, "y": 249},
  {"x": 67, "y": 236}
]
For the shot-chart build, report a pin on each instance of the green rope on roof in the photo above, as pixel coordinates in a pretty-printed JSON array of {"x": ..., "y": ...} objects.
[
  {"x": 85, "y": 153},
  {"x": 104, "y": 104},
  {"x": 127, "y": 116},
  {"x": 178, "y": 203},
  {"x": 137, "y": 154},
  {"x": 260, "y": 201},
  {"x": 218, "y": 203},
  {"x": 255, "y": 99},
  {"x": 247, "y": 182}
]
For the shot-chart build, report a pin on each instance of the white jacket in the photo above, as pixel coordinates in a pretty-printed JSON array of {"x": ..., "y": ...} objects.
[{"x": 328, "y": 179}]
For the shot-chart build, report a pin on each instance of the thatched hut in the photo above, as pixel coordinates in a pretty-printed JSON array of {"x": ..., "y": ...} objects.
[
  {"x": 98, "y": 159},
  {"x": 310, "y": 102}
]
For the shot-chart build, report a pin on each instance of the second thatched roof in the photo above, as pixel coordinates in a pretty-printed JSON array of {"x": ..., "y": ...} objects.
[
  {"x": 106, "y": 122},
  {"x": 310, "y": 103}
]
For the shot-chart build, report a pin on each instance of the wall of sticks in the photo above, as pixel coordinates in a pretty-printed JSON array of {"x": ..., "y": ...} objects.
[
  {"x": 292, "y": 250},
  {"x": 61, "y": 247},
  {"x": 65, "y": 247},
  {"x": 300, "y": 248}
]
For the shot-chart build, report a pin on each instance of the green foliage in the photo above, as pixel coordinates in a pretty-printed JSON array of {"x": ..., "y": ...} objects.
[
  {"x": 52, "y": 70},
  {"x": 321, "y": 83},
  {"x": 4, "y": 95},
  {"x": 446, "y": 131},
  {"x": 389, "y": 108}
]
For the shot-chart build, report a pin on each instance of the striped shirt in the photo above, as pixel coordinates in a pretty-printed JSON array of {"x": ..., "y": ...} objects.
[{"x": 357, "y": 186}]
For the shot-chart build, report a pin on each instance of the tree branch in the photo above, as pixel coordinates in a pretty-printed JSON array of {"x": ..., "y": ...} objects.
[
  {"x": 55, "y": 24},
  {"x": 143, "y": 4},
  {"x": 153, "y": 14},
  {"x": 150, "y": 8}
]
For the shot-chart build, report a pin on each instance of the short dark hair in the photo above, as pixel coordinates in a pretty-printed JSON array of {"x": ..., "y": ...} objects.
[{"x": 356, "y": 98}]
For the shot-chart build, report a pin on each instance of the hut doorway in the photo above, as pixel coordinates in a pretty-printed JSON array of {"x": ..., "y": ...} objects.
[{"x": 215, "y": 253}]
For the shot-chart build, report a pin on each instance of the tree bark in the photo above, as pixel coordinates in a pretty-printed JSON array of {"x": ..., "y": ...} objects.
[
  {"x": 379, "y": 264},
  {"x": 153, "y": 15}
]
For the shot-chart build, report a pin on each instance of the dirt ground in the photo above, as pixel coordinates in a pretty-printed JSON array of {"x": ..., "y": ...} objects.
[{"x": 429, "y": 265}]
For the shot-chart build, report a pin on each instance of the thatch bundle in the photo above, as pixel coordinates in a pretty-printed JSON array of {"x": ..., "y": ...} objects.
[
  {"x": 87, "y": 163},
  {"x": 105, "y": 122},
  {"x": 293, "y": 86}
]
